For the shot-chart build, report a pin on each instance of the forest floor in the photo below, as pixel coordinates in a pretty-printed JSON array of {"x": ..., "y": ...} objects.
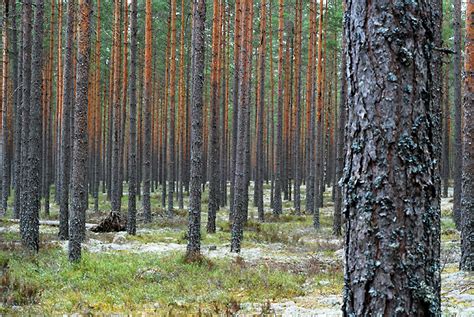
[{"x": 285, "y": 267}]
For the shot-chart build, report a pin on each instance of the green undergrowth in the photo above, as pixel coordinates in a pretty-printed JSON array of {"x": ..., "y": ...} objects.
[{"x": 122, "y": 282}]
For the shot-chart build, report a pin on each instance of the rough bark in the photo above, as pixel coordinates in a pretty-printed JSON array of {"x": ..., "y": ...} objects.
[
  {"x": 457, "y": 105},
  {"x": 147, "y": 114},
  {"x": 235, "y": 97},
  {"x": 116, "y": 112},
  {"x": 260, "y": 112},
  {"x": 27, "y": 22},
  {"x": 319, "y": 173},
  {"x": 467, "y": 197},
  {"x": 341, "y": 123},
  {"x": 30, "y": 237},
  {"x": 446, "y": 133},
  {"x": 391, "y": 181},
  {"x": 17, "y": 75},
  {"x": 132, "y": 176},
  {"x": 67, "y": 104},
  {"x": 79, "y": 155},
  {"x": 172, "y": 114},
  {"x": 197, "y": 68},
  {"x": 279, "y": 142},
  {"x": 214, "y": 129},
  {"x": 4, "y": 108}
]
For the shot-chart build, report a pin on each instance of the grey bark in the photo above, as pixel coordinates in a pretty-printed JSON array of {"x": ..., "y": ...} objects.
[
  {"x": 467, "y": 197},
  {"x": 391, "y": 181},
  {"x": 25, "y": 124},
  {"x": 30, "y": 238},
  {"x": 457, "y": 104},
  {"x": 68, "y": 96},
  {"x": 132, "y": 176},
  {"x": 79, "y": 156},
  {"x": 197, "y": 67},
  {"x": 17, "y": 82}
]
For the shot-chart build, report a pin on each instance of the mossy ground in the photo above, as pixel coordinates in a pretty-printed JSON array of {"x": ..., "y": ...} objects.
[{"x": 283, "y": 259}]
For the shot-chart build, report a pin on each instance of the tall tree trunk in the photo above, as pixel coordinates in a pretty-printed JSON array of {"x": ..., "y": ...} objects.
[
  {"x": 67, "y": 105},
  {"x": 79, "y": 155},
  {"x": 446, "y": 132},
  {"x": 341, "y": 123},
  {"x": 309, "y": 142},
  {"x": 116, "y": 112},
  {"x": 132, "y": 177},
  {"x": 4, "y": 107},
  {"x": 241, "y": 157},
  {"x": 260, "y": 112},
  {"x": 214, "y": 122},
  {"x": 297, "y": 110},
  {"x": 457, "y": 104},
  {"x": 171, "y": 130},
  {"x": 319, "y": 173},
  {"x": 467, "y": 197},
  {"x": 235, "y": 97},
  {"x": 391, "y": 182},
  {"x": 147, "y": 114},
  {"x": 30, "y": 237},
  {"x": 197, "y": 68},
  {"x": 18, "y": 77},
  {"x": 279, "y": 142},
  {"x": 27, "y": 22}
]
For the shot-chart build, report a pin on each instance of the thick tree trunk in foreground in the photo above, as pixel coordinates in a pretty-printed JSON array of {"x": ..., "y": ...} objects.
[
  {"x": 132, "y": 176},
  {"x": 79, "y": 155},
  {"x": 391, "y": 181},
  {"x": 197, "y": 68},
  {"x": 467, "y": 198}
]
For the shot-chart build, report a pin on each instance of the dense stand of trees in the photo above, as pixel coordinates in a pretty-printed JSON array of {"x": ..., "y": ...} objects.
[{"x": 159, "y": 102}]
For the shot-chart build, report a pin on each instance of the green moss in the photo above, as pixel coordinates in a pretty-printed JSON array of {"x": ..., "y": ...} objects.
[{"x": 123, "y": 282}]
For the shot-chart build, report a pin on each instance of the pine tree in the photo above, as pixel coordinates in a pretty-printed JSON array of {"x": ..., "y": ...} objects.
[
  {"x": 67, "y": 105},
  {"x": 79, "y": 155},
  {"x": 132, "y": 180},
  {"x": 467, "y": 196},
  {"x": 391, "y": 181},
  {"x": 147, "y": 114},
  {"x": 260, "y": 111},
  {"x": 457, "y": 105},
  {"x": 197, "y": 68},
  {"x": 214, "y": 133}
]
